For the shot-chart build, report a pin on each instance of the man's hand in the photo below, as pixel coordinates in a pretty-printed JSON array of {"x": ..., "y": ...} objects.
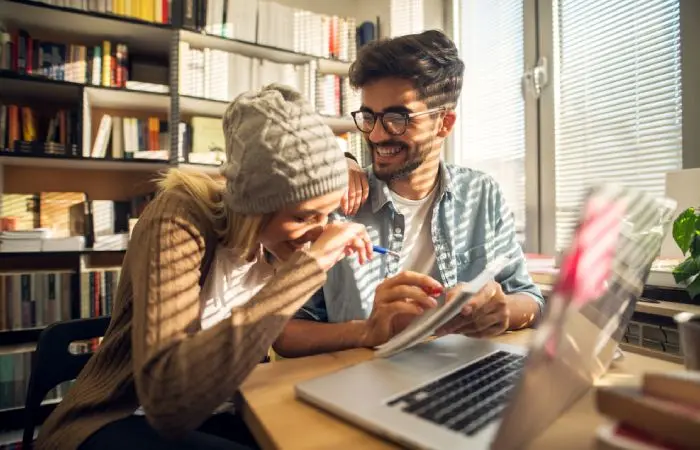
[
  {"x": 397, "y": 301},
  {"x": 486, "y": 314},
  {"x": 358, "y": 189}
]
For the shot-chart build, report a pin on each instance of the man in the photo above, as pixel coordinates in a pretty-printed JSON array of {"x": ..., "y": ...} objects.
[{"x": 446, "y": 222}]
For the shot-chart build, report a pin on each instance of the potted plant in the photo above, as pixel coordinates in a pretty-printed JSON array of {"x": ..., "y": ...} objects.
[{"x": 686, "y": 233}]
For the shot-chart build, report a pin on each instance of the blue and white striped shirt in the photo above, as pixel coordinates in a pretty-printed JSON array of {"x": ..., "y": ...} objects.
[{"x": 470, "y": 225}]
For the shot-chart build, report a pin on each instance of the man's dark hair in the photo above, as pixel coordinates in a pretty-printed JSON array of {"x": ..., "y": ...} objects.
[{"x": 429, "y": 59}]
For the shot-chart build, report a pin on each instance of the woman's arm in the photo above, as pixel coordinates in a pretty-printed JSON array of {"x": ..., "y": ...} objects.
[{"x": 183, "y": 374}]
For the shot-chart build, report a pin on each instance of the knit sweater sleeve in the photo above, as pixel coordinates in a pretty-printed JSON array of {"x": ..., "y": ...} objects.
[{"x": 182, "y": 373}]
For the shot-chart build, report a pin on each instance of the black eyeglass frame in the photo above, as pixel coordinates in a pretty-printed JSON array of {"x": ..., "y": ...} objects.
[{"x": 404, "y": 115}]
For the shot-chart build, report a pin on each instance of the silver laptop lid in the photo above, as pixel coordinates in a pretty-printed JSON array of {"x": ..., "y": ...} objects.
[{"x": 604, "y": 271}]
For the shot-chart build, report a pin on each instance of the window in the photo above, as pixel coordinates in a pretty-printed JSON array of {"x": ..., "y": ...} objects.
[
  {"x": 406, "y": 17},
  {"x": 609, "y": 108},
  {"x": 491, "y": 130},
  {"x": 617, "y": 100}
]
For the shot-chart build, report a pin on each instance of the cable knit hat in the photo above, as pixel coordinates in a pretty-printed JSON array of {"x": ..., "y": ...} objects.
[{"x": 279, "y": 152}]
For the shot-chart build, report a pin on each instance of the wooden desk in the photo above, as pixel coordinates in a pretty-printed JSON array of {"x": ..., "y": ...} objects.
[{"x": 279, "y": 421}]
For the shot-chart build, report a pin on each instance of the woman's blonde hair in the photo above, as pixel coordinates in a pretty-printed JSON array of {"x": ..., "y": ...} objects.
[{"x": 234, "y": 230}]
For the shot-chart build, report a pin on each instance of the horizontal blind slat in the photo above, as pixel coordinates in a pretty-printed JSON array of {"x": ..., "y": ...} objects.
[{"x": 618, "y": 113}]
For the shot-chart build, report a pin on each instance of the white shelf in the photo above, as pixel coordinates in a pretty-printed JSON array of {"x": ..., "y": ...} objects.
[
  {"x": 77, "y": 25},
  {"x": 201, "y": 106},
  {"x": 23, "y": 87},
  {"x": 81, "y": 163},
  {"x": 127, "y": 99},
  {"x": 331, "y": 67},
  {"x": 214, "y": 108},
  {"x": 209, "y": 169},
  {"x": 340, "y": 124},
  {"x": 11, "y": 349},
  {"x": 253, "y": 50}
]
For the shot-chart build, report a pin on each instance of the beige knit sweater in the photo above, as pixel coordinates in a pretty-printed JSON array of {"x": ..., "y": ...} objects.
[{"x": 154, "y": 353}]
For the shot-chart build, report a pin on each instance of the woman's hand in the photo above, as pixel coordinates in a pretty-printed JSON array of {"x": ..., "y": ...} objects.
[
  {"x": 358, "y": 189},
  {"x": 339, "y": 240}
]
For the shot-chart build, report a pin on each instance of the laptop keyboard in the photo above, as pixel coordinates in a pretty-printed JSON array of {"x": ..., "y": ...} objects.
[{"x": 468, "y": 399}]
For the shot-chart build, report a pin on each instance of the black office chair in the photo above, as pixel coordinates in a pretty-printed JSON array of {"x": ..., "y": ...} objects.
[{"x": 55, "y": 364}]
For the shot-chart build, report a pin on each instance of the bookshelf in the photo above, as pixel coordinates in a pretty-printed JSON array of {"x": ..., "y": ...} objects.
[{"x": 72, "y": 94}]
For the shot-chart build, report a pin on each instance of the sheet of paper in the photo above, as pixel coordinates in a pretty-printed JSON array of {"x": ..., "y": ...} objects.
[{"x": 430, "y": 321}]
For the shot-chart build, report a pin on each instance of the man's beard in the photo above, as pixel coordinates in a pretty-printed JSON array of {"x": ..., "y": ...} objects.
[{"x": 415, "y": 156}]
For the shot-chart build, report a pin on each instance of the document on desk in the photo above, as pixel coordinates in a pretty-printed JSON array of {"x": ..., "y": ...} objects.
[{"x": 431, "y": 320}]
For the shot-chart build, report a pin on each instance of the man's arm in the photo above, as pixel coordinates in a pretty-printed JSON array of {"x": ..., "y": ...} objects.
[
  {"x": 309, "y": 332},
  {"x": 303, "y": 337},
  {"x": 524, "y": 311},
  {"x": 525, "y": 300}
]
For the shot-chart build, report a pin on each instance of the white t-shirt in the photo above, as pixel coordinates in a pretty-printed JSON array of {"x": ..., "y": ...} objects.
[
  {"x": 232, "y": 281},
  {"x": 418, "y": 251}
]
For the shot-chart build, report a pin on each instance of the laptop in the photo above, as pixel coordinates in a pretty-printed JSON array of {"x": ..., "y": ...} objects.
[{"x": 457, "y": 392}]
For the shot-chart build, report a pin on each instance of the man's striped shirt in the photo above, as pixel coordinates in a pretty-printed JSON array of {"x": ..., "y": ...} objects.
[{"x": 470, "y": 225}]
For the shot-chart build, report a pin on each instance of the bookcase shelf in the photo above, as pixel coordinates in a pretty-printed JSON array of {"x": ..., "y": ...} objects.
[
  {"x": 17, "y": 348},
  {"x": 14, "y": 86},
  {"x": 250, "y": 49},
  {"x": 60, "y": 254},
  {"x": 196, "y": 106},
  {"x": 67, "y": 162},
  {"x": 209, "y": 169},
  {"x": 115, "y": 98},
  {"x": 12, "y": 339},
  {"x": 148, "y": 36},
  {"x": 216, "y": 108},
  {"x": 340, "y": 125},
  {"x": 333, "y": 67}
]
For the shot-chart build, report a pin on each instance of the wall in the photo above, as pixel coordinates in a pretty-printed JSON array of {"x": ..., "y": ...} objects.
[
  {"x": 690, "y": 67},
  {"x": 435, "y": 15},
  {"x": 684, "y": 187}
]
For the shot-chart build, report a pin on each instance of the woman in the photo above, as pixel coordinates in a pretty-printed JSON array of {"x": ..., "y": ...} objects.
[{"x": 258, "y": 246}]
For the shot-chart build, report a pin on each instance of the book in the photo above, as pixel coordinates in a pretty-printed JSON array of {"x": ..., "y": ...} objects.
[
  {"x": 620, "y": 436},
  {"x": 668, "y": 421},
  {"x": 682, "y": 387}
]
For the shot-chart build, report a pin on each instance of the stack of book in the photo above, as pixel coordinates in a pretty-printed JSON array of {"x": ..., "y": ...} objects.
[{"x": 664, "y": 413}]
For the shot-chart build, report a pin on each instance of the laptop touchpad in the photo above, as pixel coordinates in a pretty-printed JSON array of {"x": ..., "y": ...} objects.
[{"x": 438, "y": 355}]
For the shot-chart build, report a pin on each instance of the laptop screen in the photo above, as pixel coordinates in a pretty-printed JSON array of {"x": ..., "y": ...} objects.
[{"x": 603, "y": 274}]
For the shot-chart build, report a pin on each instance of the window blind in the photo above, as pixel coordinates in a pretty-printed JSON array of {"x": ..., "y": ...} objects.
[
  {"x": 406, "y": 17},
  {"x": 617, "y": 100},
  {"x": 491, "y": 116}
]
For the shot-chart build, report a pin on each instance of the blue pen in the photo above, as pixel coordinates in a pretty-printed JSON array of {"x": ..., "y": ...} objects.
[{"x": 385, "y": 251}]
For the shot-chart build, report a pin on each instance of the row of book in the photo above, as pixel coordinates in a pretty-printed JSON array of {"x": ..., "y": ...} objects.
[
  {"x": 38, "y": 298},
  {"x": 23, "y": 126},
  {"x": 218, "y": 75},
  {"x": 660, "y": 414},
  {"x": 34, "y": 299},
  {"x": 106, "y": 64},
  {"x": 274, "y": 24},
  {"x": 62, "y": 213},
  {"x": 137, "y": 138},
  {"x": 37, "y": 240},
  {"x": 67, "y": 214},
  {"x": 131, "y": 138},
  {"x": 158, "y": 11},
  {"x": 15, "y": 369}
]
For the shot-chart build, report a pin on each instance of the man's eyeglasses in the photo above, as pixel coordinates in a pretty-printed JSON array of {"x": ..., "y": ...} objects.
[{"x": 395, "y": 123}]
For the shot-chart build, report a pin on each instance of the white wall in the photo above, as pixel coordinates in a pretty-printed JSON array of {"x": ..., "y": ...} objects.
[
  {"x": 434, "y": 12},
  {"x": 684, "y": 187}
]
